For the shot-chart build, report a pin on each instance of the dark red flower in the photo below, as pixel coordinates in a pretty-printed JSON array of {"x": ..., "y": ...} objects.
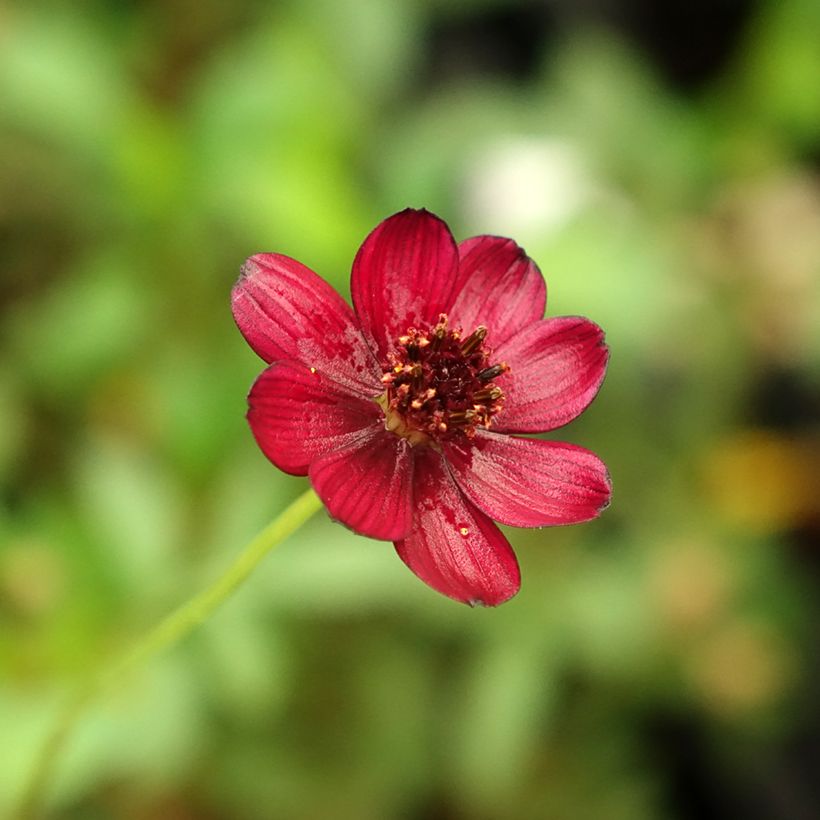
[{"x": 400, "y": 410}]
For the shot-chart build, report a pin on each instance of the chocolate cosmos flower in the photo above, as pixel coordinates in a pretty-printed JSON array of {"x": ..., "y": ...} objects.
[{"x": 401, "y": 410}]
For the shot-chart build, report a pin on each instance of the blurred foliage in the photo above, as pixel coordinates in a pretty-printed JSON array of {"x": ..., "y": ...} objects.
[{"x": 658, "y": 663}]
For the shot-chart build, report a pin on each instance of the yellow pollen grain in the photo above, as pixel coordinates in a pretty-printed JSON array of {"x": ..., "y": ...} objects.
[
  {"x": 464, "y": 531},
  {"x": 312, "y": 369}
]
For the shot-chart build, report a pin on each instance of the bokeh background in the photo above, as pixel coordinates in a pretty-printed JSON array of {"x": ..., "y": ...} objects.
[{"x": 660, "y": 161}]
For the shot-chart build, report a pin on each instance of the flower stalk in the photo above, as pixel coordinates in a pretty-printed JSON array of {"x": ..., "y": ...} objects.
[{"x": 171, "y": 630}]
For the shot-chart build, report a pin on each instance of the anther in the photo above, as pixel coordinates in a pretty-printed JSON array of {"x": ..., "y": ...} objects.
[
  {"x": 473, "y": 340},
  {"x": 439, "y": 331},
  {"x": 491, "y": 393},
  {"x": 489, "y": 373},
  {"x": 462, "y": 416},
  {"x": 482, "y": 417}
]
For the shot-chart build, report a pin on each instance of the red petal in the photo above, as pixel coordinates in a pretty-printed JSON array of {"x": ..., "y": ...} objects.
[
  {"x": 528, "y": 482},
  {"x": 297, "y": 415},
  {"x": 453, "y": 546},
  {"x": 556, "y": 368},
  {"x": 367, "y": 484},
  {"x": 503, "y": 288},
  {"x": 404, "y": 275},
  {"x": 286, "y": 311}
]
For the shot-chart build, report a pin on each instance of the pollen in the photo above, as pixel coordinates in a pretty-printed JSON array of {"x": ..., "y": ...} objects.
[
  {"x": 440, "y": 384},
  {"x": 464, "y": 531}
]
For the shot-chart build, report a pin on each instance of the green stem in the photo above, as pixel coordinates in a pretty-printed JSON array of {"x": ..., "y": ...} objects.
[{"x": 176, "y": 626}]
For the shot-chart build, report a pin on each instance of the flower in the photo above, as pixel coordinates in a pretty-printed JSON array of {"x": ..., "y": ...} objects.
[{"x": 402, "y": 411}]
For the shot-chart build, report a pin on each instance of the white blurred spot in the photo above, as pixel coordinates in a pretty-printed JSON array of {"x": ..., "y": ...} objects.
[{"x": 520, "y": 186}]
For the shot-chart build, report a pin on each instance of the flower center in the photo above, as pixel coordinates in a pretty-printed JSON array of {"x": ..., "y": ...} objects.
[{"x": 440, "y": 385}]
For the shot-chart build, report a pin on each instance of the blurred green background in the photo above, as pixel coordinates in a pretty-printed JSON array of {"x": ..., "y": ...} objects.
[{"x": 661, "y": 163}]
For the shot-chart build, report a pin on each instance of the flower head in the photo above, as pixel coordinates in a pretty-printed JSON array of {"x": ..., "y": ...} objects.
[{"x": 403, "y": 410}]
